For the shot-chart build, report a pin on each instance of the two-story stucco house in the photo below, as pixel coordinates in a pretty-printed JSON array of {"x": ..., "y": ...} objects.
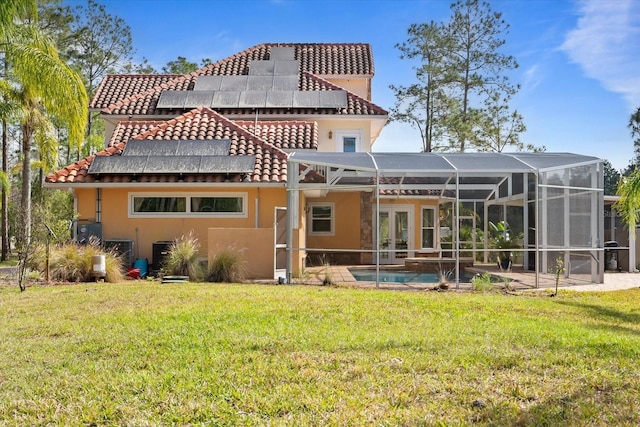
[{"x": 269, "y": 151}]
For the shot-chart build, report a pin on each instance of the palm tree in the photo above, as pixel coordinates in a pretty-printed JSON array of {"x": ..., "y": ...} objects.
[{"x": 45, "y": 86}]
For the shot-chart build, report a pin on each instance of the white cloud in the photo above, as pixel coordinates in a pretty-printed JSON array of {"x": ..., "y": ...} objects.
[
  {"x": 532, "y": 78},
  {"x": 606, "y": 44}
]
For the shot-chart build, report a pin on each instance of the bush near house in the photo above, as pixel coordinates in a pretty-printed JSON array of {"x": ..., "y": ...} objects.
[
  {"x": 70, "y": 262},
  {"x": 183, "y": 258},
  {"x": 197, "y": 354},
  {"x": 228, "y": 266}
]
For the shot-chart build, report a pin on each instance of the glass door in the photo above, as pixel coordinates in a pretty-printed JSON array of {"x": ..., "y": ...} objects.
[{"x": 395, "y": 234}]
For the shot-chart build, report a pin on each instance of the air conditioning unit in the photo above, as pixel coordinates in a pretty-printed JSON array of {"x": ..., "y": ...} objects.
[
  {"x": 160, "y": 253},
  {"x": 123, "y": 248}
]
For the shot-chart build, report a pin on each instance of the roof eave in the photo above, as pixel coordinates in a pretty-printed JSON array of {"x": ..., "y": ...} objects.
[{"x": 97, "y": 184}]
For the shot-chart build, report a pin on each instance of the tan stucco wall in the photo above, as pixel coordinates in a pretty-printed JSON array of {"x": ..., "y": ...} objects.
[
  {"x": 329, "y": 145},
  {"x": 255, "y": 245},
  {"x": 116, "y": 223},
  {"x": 85, "y": 200},
  {"x": 359, "y": 86},
  {"x": 347, "y": 222}
]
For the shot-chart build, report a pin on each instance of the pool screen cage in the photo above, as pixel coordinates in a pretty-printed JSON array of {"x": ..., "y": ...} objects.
[{"x": 552, "y": 202}]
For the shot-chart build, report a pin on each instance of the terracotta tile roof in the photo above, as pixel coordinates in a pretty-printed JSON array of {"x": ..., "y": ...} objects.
[
  {"x": 323, "y": 59},
  {"x": 145, "y": 103},
  {"x": 116, "y": 87},
  {"x": 284, "y": 134},
  {"x": 197, "y": 124},
  {"x": 116, "y": 95}
]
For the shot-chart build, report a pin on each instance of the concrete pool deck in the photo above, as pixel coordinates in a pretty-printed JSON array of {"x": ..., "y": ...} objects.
[{"x": 518, "y": 279}]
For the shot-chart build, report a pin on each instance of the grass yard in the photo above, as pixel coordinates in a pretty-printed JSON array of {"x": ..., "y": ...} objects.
[{"x": 208, "y": 354}]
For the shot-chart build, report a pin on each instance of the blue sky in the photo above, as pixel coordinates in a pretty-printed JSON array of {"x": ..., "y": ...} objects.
[{"x": 579, "y": 60}]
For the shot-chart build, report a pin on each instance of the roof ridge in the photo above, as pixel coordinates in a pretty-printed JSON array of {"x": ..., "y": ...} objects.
[{"x": 275, "y": 121}]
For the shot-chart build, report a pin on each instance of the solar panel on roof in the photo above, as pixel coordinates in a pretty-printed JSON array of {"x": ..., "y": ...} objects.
[
  {"x": 259, "y": 82},
  {"x": 172, "y": 99},
  {"x": 235, "y": 83},
  {"x": 261, "y": 68},
  {"x": 208, "y": 83},
  {"x": 182, "y": 147},
  {"x": 286, "y": 68},
  {"x": 118, "y": 164},
  {"x": 146, "y": 147},
  {"x": 227, "y": 164},
  {"x": 224, "y": 99},
  {"x": 285, "y": 82},
  {"x": 215, "y": 147},
  {"x": 253, "y": 99},
  {"x": 306, "y": 99},
  {"x": 198, "y": 98},
  {"x": 285, "y": 53},
  {"x": 172, "y": 164},
  {"x": 333, "y": 99},
  {"x": 279, "y": 99}
]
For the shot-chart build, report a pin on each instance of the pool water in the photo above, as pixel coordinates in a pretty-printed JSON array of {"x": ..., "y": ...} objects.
[{"x": 399, "y": 276}]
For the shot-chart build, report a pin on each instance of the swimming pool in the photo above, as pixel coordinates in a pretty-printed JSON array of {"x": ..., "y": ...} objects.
[
  {"x": 394, "y": 276},
  {"x": 401, "y": 276}
]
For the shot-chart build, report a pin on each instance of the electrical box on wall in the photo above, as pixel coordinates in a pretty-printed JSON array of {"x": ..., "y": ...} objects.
[{"x": 88, "y": 232}]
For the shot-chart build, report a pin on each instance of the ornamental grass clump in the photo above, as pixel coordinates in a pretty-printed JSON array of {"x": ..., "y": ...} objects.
[
  {"x": 227, "y": 267},
  {"x": 182, "y": 259},
  {"x": 70, "y": 262},
  {"x": 482, "y": 282}
]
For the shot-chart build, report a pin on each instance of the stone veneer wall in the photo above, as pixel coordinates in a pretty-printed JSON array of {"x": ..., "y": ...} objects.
[{"x": 366, "y": 227}]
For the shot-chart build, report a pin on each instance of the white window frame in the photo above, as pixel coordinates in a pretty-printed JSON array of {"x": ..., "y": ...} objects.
[
  {"x": 310, "y": 207},
  {"x": 433, "y": 227},
  {"x": 188, "y": 213},
  {"x": 340, "y": 134}
]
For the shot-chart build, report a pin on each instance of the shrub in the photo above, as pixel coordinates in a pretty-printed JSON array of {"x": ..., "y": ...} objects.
[
  {"x": 74, "y": 263},
  {"x": 227, "y": 266},
  {"x": 182, "y": 259},
  {"x": 482, "y": 283}
]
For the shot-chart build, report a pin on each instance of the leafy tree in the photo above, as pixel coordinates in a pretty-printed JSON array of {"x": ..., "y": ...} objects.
[
  {"x": 143, "y": 68},
  {"x": 92, "y": 41},
  {"x": 634, "y": 126},
  {"x": 55, "y": 19},
  {"x": 43, "y": 86},
  {"x": 179, "y": 66},
  {"x": 102, "y": 42},
  {"x": 611, "y": 179},
  {"x": 421, "y": 104},
  {"x": 498, "y": 127},
  {"x": 462, "y": 92}
]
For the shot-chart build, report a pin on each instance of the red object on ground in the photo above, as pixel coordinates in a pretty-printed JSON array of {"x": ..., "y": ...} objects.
[{"x": 134, "y": 273}]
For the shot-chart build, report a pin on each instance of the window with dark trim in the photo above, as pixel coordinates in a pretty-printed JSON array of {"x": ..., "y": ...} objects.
[
  {"x": 428, "y": 228},
  {"x": 208, "y": 204},
  {"x": 321, "y": 218}
]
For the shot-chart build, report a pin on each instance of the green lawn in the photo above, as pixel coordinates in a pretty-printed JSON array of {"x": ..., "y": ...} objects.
[{"x": 208, "y": 354}]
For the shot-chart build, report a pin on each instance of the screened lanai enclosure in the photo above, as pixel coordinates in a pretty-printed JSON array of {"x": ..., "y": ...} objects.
[{"x": 538, "y": 212}]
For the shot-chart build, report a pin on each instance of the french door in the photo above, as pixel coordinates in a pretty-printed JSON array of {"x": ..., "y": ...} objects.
[{"x": 396, "y": 233}]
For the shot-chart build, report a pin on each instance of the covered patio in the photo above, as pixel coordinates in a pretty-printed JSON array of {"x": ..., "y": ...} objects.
[{"x": 552, "y": 202}]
